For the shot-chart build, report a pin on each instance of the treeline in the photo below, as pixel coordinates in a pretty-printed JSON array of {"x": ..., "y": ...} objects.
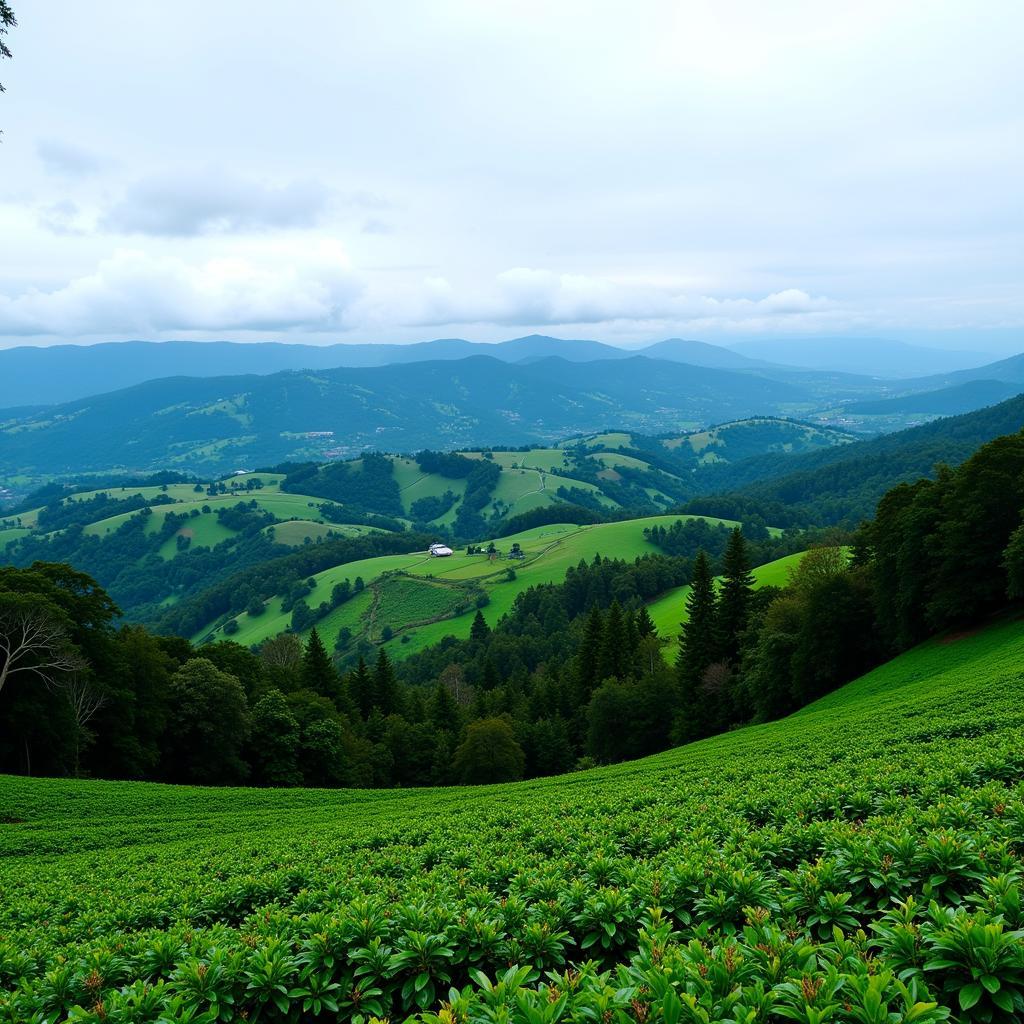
[{"x": 124, "y": 703}]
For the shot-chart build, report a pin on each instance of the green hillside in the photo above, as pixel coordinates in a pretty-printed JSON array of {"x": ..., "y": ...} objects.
[
  {"x": 669, "y": 610},
  {"x": 847, "y": 863},
  {"x": 423, "y": 599}
]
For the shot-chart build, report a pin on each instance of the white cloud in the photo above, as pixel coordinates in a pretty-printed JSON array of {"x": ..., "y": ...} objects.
[
  {"x": 273, "y": 288},
  {"x": 670, "y": 167},
  {"x": 65, "y": 159},
  {"x": 214, "y": 201},
  {"x": 528, "y": 297}
]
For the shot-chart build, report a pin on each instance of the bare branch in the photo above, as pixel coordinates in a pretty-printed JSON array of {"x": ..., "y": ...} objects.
[{"x": 33, "y": 643}]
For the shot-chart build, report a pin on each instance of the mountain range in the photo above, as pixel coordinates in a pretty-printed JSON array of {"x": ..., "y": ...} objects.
[
  {"x": 62, "y": 373},
  {"x": 215, "y": 424}
]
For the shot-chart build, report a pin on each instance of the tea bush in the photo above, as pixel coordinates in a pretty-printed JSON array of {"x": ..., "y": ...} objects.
[{"x": 857, "y": 862}]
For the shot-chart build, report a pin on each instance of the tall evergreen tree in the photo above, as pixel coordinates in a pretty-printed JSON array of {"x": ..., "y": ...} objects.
[
  {"x": 385, "y": 685},
  {"x": 698, "y": 648},
  {"x": 479, "y": 630},
  {"x": 589, "y": 655},
  {"x": 613, "y": 661},
  {"x": 734, "y": 598},
  {"x": 360, "y": 688},
  {"x": 644, "y": 623},
  {"x": 318, "y": 672},
  {"x": 443, "y": 711}
]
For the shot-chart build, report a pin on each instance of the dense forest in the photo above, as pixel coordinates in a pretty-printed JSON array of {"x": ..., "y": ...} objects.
[{"x": 574, "y": 675}]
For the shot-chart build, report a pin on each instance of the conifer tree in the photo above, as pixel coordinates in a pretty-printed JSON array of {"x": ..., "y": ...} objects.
[
  {"x": 734, "y": 599},
  {"x": 643, "y": 623},
  {"x": 491, "y": 679},
  {"x": 443, "y": 711},
  {"x": 698, "y": 648},
  {"x": 385, "y": 685},
  {"x": 479, "y": 630},
  {"x": 318, "y": 673},
  {"x": 613, "y": 661},
  {"x": 360, "y": 686},
  {"x": 589, "y": 656}
]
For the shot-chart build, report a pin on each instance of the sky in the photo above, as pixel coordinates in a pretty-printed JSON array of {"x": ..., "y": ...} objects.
[{"x": 332, "y": 170}]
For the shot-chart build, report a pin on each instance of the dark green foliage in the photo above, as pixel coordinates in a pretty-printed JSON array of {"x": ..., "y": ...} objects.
[
  {"x": 209, "y": 727},
  {"x": 479, "y": 630},
  {"x": 699, "y": 646},
  {"x": 366, "y": 486},
  {"x": 274, "y": 743},
  {"x": 423, "y": 510},
  {"x": 489, "y": 753},
  {"x": 481, "y": 480},
  {"x": 318, "y": 672},
  {"x": 734, "y": 597}
]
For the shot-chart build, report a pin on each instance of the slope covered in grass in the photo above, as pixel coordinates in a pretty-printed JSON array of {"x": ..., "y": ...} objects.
[
  {"x": 549, "y": 552},
  {"x": 669, "y": 610},
  {"x": 706, "y": 883}
]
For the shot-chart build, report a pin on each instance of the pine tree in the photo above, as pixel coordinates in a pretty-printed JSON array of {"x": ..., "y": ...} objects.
[
  {"x": 479, "y": 630},
  {"x": 613, "y": 662},
  {"x": 734, "y": 599},
  {"x": 360, "y": 687},
  {"x": 385, "y": 685},
  {"x": 490, "y": 680},
  {"x": 698, "y": 648},
  {"x": 318, "y": 672},
  {"x": 443, "y": 711},
  {"x": 589, "y": 656},
  {"x": 643, "y": 623}
]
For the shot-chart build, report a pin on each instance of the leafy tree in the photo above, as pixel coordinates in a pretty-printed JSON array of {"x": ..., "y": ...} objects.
[
  {"x": 589, "y": 656},
  {"x": 489, "y": 753},
  {"x": 322, "y": 756},
  {"x": 1013, "y": 564},
  {"x": 209, "y": 725},
  {"x": 274, "y": 743}
]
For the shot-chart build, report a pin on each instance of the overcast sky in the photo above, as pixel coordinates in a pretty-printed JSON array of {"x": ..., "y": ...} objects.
[{"x": 391, "y": 171}]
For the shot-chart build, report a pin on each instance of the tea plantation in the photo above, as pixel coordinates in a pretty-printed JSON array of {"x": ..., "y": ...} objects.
[{"x": 860, "y": 861}]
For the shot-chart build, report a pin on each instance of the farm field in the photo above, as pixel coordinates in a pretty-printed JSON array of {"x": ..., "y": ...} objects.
[
  {"x": 549, "y": 551},
  {"x": 846, "y": 864}
]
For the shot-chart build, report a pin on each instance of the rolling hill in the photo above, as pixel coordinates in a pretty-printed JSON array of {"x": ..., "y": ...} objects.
[
  {"x": 842, "y": 484},
  {"x": 407, "y": 602},
  {"x": 772, "y": 866},
  {"x": 218, "y": 424}
]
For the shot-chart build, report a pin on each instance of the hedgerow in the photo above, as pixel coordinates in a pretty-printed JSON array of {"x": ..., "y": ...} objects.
[{"x": 860, "y": 861}]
